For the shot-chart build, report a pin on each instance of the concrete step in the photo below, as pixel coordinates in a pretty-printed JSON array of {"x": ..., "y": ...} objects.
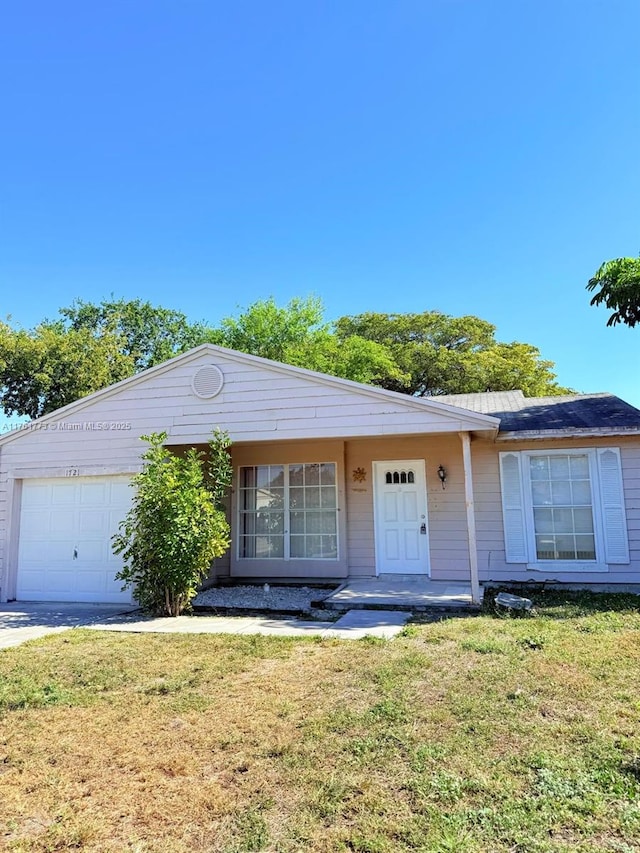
[
  {"x": 401, "y": 594},
  {"x": 402, "y": 606}
]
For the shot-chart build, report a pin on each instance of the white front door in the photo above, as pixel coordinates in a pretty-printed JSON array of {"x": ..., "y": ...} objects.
[{"x": 400, "y": 513}]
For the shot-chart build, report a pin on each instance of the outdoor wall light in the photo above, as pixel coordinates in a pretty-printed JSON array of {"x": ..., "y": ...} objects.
[{"x": 442, "y": 473}]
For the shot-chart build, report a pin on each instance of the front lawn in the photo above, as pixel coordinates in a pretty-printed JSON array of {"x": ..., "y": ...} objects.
[{"x": 471, "y": 734}]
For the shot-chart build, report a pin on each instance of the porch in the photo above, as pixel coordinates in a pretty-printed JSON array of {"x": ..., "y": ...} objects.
[
  {"x": 402, "y": 592},
  {"x": 356, "y": 511}
]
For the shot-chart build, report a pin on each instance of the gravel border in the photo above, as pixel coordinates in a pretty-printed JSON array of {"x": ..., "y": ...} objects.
[{"x": 266, "y": 598}]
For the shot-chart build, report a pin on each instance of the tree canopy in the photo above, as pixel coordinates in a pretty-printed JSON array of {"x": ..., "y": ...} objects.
[
  {"x": 149, "y": 334},
  {"x": 440, "y": 354},
  {"x": 617, "y": 283},
  {"x": 87, "y": 348},
  {"x": 272, "y": 331},
  {"x": 92, "y": 345},
  {"x": 44, "y": 369},
  {"x": 297, "y": 334}
]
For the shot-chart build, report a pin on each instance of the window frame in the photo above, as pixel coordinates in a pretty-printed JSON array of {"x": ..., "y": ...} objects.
[
  {"x": 287, "y": 557},
  {"x": 611, "y": 526},
  {"x": 533, "y": 562}
]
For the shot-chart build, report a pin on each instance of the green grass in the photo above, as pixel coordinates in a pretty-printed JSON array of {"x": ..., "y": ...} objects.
[{"x": 489, "y": 733}]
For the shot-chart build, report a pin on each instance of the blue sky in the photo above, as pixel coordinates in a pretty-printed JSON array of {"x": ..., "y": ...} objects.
[{"x": 470, "y": 156}]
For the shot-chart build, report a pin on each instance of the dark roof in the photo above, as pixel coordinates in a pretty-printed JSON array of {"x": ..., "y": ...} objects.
[{"x": 571, "y": 412}]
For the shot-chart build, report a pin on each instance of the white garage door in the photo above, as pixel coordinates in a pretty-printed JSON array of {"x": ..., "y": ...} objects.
[{"x": 65, "y": 539}]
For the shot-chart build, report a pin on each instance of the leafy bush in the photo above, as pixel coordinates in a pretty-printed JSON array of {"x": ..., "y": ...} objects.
[{"x": 176, "y": 525}]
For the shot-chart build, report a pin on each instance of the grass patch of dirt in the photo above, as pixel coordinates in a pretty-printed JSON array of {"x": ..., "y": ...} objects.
[{"x": 467, "y": 735}]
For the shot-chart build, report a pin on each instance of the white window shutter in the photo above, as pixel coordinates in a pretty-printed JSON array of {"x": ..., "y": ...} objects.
[
  {"x": 515, "y": 536},
  {"x": 614, "y": 519}
]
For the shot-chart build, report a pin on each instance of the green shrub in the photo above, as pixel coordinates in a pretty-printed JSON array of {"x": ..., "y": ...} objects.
[{"x": 176, "y": 525}]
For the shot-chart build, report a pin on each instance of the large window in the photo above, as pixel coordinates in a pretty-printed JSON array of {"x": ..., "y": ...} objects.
[
  {"x": 288, "y": 512},
  {"x": 564, "y": 508}
]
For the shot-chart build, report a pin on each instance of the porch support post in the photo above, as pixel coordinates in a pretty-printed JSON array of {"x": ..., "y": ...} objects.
[{"x": 471, "y": 516}]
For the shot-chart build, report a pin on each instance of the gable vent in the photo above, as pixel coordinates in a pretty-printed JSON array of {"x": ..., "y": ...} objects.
[{"x": 207, "y": 381}]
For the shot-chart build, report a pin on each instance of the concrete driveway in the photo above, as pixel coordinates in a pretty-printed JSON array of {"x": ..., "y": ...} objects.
[{"x": 22, "y": 621}]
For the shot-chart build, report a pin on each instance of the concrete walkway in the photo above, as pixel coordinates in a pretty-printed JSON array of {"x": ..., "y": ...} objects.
[
  {"x": 24, "y": 621},
  {"x": 354, "y": 625}
]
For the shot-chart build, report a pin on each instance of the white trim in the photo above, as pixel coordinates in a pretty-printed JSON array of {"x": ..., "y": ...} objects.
[
  {"x": 43, "y": 472},
  {"x": 12, "y": 541},
  {"x": 595, "y": 505},
  {"x": 562, "y": 566},
  {"x": 601, "y": 562},
  {"x": 287, "y": 558},
  {"x": 570, "y": 432},
  {"x": 513, "y": 513},
  {"x": 465, "y": 438}
]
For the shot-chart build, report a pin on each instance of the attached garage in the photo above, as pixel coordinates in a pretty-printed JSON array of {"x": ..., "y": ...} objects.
[{"x": 66, "y": 525}]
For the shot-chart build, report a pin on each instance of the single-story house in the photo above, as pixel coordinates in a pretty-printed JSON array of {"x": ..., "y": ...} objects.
[{"x": 332, "y": 480}]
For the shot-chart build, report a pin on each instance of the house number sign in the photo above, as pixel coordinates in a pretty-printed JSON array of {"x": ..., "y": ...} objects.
[{"x": 72, "y": 472}]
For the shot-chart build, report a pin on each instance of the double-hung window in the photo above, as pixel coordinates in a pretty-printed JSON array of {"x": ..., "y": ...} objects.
[
  {"x": 562, "y": 505},
  {"x": 564, "y": 508},
  {"x": 288, "y": 512}
]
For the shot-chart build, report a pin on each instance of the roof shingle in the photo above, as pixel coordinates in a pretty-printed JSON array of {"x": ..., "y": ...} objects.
[{"x": 571, "y": 412}]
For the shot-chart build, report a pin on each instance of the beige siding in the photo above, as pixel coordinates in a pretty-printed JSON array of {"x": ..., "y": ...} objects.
[
  {"x": 273, "y": 414},
  {"x": 491, "y": 553},
  {"x": 448, "y": 541},
  {"x": 449, "y": 556},
  {"x": 256, "y": 404}
]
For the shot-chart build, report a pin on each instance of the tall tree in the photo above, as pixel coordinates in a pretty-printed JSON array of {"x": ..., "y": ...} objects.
[
  {"x": 44, "y": 369},
  {"x": 618, "y": 287},
  {"x": 297, "y": 334},
  {"x": 354, "y": 358},
  {"x": 504, "y": 367},
  {"x": 91, "y": 346},
  {"x": 440, "y": 354},
  {"x": 150, "y": 334},
  {"x": 269, "y": 330},
  {"x": 87, "y": 348}
]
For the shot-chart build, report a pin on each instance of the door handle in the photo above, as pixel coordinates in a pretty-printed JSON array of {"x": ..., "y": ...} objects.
[{"x": 423, "y": 529}]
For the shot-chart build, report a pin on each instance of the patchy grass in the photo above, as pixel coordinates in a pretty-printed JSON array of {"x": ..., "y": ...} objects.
[{"x": 465, "y": 735}]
